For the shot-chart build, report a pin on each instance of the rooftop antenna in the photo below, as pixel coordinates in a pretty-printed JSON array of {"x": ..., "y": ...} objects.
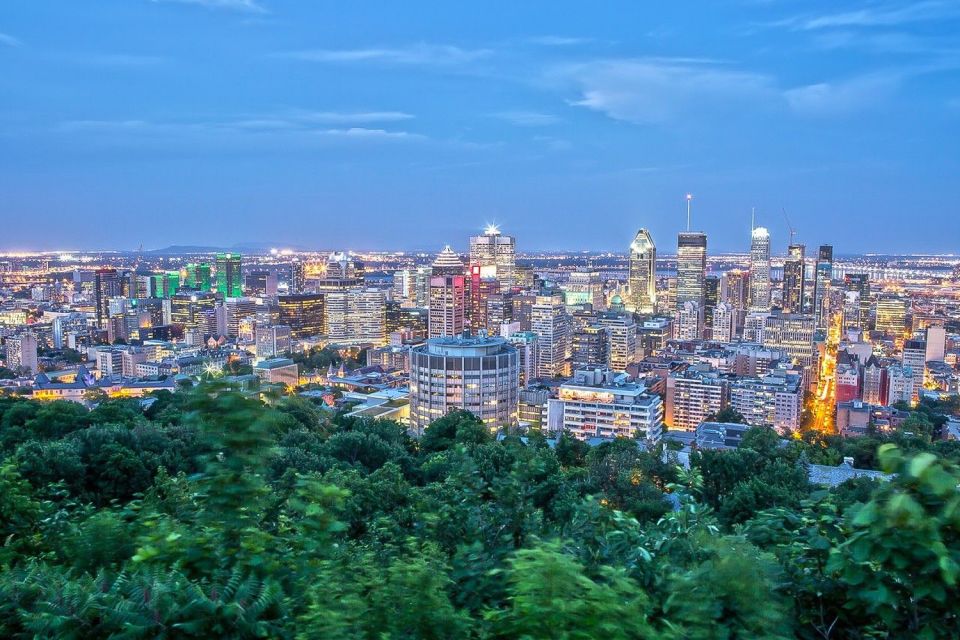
[
  {"x": 689, "y": 200},
  {"x": 753, "y": 215}
]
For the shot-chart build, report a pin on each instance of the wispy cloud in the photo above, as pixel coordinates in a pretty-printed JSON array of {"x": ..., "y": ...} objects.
[
  {"x": 417, "y": 54},
  {"x": 883, "y": 15},
  {"x": 658, "y": 90},
  {"x": 528, "y": 118},
  {"x": 558, "y": 41},
  {"x": 8, "y": 40},
  {"x": 249, "y": 6},
  {"x": 843, "y": 97}
]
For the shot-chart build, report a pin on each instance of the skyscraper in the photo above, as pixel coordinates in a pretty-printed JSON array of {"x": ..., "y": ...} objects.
[
  {"x": 447, "y": 263},
  {"x": 691, "y": 267},
  {"x": 548, "y": 319},
  {"x": 106, "y": 285},
  {"x": 821, "y": 286},
  {"x": 860, "y": 283},
  {"x": 448, "y": 302},
  {"x": 229, "y": 280},
  {"x": 760, "y": 269},
  {"x": 793, "y": 279},
  {"x": 356, "y": 317},
  {"x": 304, "y": 313},
  {"x": 495, "y": 254},
  {"x": 642, "y": 275}
]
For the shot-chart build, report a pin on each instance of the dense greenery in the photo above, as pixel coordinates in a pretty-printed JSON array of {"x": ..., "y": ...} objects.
[{"x": 212, "y": 514}]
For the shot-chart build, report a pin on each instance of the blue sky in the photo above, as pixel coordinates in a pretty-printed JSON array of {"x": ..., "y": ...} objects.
[{"x": 406, "y": 125}]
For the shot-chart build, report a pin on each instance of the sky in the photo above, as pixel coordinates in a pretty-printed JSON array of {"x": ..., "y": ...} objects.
[{"x": 409, "y": 125}]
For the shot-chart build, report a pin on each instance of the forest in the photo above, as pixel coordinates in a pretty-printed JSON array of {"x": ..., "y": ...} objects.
[{"x": 208, "y": 513}]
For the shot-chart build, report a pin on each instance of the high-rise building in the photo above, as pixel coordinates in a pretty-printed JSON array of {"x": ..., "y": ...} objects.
[
  {"x": 711, "y": 298},
  {"x": 622, "y": 335},
  {"x": 900, "y": 384},
  {"x": 198, "y": 276},
  {"x": 735, "y": 291},
  {"x": 525, "y": 342},
  {"x": 773, "y": 401},
  {"x": 693, "y": 396},
  {"x": 914, "y": 357},
  {"x": 447, "y": 263},
  {"x": 304, "y": 313},
  {"x": 106, "y": 284},
  {"x": 22, "y": 353},
  {"x": 340, "y": 273},
  {"x": 584, "y": 287},
  {"x": 642, "y": 274},
  {"x": 691, "y": 268},
  {"x": 479, "y": 375},
  {"x": 272, "y": 341},
  {"x": 190, "y": 310},
  {"x": 495, "y": 254},
  {"x": 794, "y": 279},
  {"x": 298, "y": 277},
  {"x": 590, "y": 347},
  {"x": 891, "y": 315},
  {"x": 936, "y": 342},
  {"x": 164, "y": 285},
  {"x": 791, "y": 333},
  {"x": 860, "y": 283},
  {"x": 480, "y": 291},
  {"x": 229, "y": 278},
  {"x": 356, "y": 317},
  {"x": 448, "y": 305},
  {"x": 549, "y": 320},
  {"x": 724, "y": 323},
  {"x": 760, "y": 270},
  {"x": 688, "y": 321},
  {"x": 821, "y": 286}
]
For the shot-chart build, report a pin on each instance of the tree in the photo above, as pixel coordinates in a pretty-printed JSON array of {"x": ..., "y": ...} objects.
[{"x": 728, "y": 414}]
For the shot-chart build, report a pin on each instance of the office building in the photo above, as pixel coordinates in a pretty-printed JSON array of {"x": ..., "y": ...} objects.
[
  {"x": 724, "y": 323},
  {"x": 598, "y": 403},
  {"x": 688, "y": 321},
  {"x": 525, "y": 342},
  {"x": 760, "y": 270},
  {"x": 823, "y": 275},
  {"x": 273, "y": 340},
  {"x": 191, "y": 309},
  {"x": 891, "y": 315},
  {"x": 495, "y": 254},
  {"x": 859, "y": 283},
  {"x": 691, "y": 268},
  {"x": 356, "y": 317},
  {"x": 478, "y": 374},
  {"x": 642, "y": 274},
  {"x": 448, "y": 305},
  {"x": 235, "y": 311},
  {"x": 900, "y": 385},
  {"x": 198, "y": 276},
  {"x": 622, "y": 336},
  {"x": 549, "y": 320},
  {"x": 936, "y": 342},
  {"x": 794, "y": 279},
  {"x": 584, "y": 288},
  {"x": 341, "y": 272},
  {"x": 791, "y": 333},
  {"x": 914, "y": 357},
  {"x": 106, "y": 284},
  {"x": 447, "y": 263},
  {"x": 229, "y": 277},
  {"x": 590, "y": 347},
  {"x": 304, "y": 313}
]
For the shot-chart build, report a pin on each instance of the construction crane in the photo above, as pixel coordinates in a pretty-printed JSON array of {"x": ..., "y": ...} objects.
[{"x": 789, "y": 226}]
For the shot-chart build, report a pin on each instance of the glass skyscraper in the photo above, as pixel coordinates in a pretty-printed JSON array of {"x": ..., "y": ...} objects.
[
  {"x": 642, "y": 276},
  {"x": 229, "y": 280}
]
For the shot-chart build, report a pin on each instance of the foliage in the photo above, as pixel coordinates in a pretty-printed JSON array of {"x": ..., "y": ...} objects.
[{"x": 211, "y": 513}]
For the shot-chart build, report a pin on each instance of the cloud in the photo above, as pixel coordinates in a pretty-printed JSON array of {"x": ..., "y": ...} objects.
[
  {"x": 877, "y": 16},
  {"x": 558, "y": 41},
  {"x": 249, "y": 6},
  {"x": 340, "y": 117},
  {"x": 528, "y": 118},
  {"x": 843, "y": 97},
  {"x": 418, "y": 54},
  {"x": 658, "y": 90},
  {"x": 7, "y": 40},
  {"x": 363, "y": 133}
]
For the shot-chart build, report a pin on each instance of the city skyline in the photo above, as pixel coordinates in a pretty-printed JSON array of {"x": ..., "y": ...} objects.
[{"x": 172, "y": 122}]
